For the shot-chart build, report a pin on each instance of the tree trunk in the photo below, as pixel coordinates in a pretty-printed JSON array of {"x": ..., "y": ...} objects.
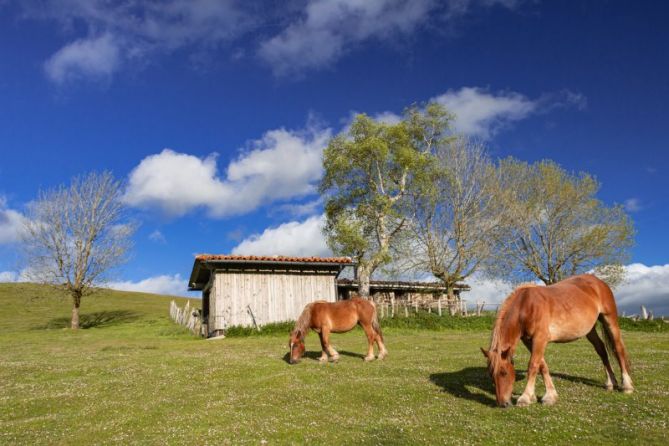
[
  {"x": 363, "y": 282},
  {"x": 76, "y": 302},
  {"x": 452, "y": 309}
]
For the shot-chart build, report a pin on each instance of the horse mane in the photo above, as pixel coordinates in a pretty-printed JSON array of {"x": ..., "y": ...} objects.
[
  {"x": 495, "y": 339},
  {"x": 303, "y": 323}
]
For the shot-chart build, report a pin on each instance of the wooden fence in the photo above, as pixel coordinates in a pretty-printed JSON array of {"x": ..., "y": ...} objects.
[
  {"x": 393, "y": 307},
  {"x": 189, "y": 318}
]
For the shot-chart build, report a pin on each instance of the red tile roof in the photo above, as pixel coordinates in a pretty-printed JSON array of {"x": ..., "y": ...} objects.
[{"x": 230, "y": 257}]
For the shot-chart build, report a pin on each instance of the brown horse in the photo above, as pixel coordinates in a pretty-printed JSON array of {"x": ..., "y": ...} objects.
[
  {"x": 336, "y": 317},
  {"x": 563, "y": 312}
]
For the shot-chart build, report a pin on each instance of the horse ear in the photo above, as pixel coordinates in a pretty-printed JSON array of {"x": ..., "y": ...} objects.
[
  {"x": 298, "y": 334},
  {"x": 505, "y": 353},
  {"x": 485, "y": 352}
]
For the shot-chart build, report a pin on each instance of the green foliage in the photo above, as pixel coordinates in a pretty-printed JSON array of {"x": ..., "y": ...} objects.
[
  {"x": 432, "y": 321},
  {"x": 654, "y": 326},
  {"x": 369, "y": 171},
  {"x": 278, "y": 328},
  {"x": 554, "y": 225}
]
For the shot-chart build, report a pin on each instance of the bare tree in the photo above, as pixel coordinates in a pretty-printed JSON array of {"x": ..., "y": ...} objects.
[
  {"x": 75, "y": 236},
  {"x": 555, "y": 226},
  {"x": 453, "y": 214}
]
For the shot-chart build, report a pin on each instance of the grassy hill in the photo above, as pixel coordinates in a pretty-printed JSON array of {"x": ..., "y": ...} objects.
[{"x": 132, "y": 376}]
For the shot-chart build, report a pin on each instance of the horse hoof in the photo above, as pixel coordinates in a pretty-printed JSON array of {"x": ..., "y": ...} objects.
[
  {"x": 609, "y": 388},
  {"x": 334, "y": 358},
  {"x": 523, "y": 401},
  {"x": 382, "y": 356},
  {"x": 548, "y": 401},
  {"x": 628, "y": 390},
  {"x": 369, "y": 358}
]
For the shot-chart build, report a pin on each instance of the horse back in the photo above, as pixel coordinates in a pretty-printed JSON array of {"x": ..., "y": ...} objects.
[
  {"x": 342, "y": 315},
  {"x": 567, "y": 310}
]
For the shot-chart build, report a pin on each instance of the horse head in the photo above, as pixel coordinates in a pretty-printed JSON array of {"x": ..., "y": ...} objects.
[
  {"x": 296, "y": 345},
  {"x": 503, "y": 374}
]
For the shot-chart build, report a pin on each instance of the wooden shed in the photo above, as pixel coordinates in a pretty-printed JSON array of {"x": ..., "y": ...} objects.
[{"x": 257, "y": 290}]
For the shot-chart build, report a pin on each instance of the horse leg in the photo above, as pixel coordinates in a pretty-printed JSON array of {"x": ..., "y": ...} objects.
[
  {"x": 612, "y": 331},
  {"x": 324, "y": 354},
  {"x": 369, "y": 331},
  {"x": 600, "y": 348},
  {"x": 383, "y": 352},
  {"x": 334, "y": 356},
  {"x": 528, "y": 344},
  {"x": 536, "y": 357},
  {"x": 550, "y": 397}
]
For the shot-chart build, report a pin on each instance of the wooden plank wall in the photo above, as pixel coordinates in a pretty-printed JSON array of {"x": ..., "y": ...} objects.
[{"x": 272, "y": 297}]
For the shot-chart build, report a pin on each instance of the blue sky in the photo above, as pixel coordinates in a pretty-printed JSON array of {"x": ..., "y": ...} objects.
[{"x": 215, "y": 112}]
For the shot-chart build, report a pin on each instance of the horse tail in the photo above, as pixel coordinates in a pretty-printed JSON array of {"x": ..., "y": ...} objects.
[
  {"x": 611, "y": 344},
  {"x": 609, "y": 320},
  {"x": 375, "y": 322}
]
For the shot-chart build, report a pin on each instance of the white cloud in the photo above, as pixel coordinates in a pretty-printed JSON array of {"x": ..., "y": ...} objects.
[
  {"x": 327, "y": 29},
  {"x": 93, "y": 58},
  {"x": 9, "y": 276},
  {"x": 489, "y": 290},
  {"x": 633, "y": 205},
  {"x": 281, "y": 165},
  {"x": 165, "y": 284},
  {"x": 295, "y": 238},
  {"x": 157, "y": 236},
  {"x": 481, "y": 113},
  {"x": 298, "y": 209},
  {"x": 113, "y": 35},
  {"x": 12, "y": 223},
  {"x": 329, "y": 26},
  {"x": 644, "y": 285},
  {"x": 123, "y": 32}
]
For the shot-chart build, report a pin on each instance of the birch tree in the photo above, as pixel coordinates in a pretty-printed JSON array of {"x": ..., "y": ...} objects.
[
  {"x": 556, "y": 227},
  {"x": 76, "y": 235},
  {"x": 368, "y": 173}
]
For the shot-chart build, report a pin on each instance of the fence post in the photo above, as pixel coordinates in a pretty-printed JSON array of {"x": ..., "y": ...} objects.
[
  {"x": 406, "y": 311},
  {"x": 439, "y": 306}
]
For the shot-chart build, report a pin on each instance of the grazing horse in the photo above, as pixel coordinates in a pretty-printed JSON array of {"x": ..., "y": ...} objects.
[
  {"x": 562, "y": 312},
  {"x": 336, "y": 317}
]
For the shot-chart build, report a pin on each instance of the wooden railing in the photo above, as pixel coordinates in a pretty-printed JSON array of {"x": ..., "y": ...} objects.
[{"x": 189, "y": 318}]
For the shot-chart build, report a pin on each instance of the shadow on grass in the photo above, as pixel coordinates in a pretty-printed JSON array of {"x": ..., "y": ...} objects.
[
  {"x": 93, "y": 320},
  {"x": 459, "y": 383},
  {"x": 315, "y": 355},
  {"x": 578, "y": 379}
]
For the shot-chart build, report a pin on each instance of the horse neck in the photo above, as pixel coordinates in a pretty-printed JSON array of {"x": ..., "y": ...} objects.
[
  {"x": 303, "y": 323},
  {"x": 506, "y": 332}
]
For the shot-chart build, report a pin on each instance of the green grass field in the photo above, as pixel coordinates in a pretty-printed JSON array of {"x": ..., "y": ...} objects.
[{"x": 132, "y": 376}]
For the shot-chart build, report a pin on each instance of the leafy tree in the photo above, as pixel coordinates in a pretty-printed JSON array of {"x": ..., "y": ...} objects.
[
  {"x": 369, "y": 170},
  {"x": 75, "y": 236},
  {"x": 555, "y": 227}
]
